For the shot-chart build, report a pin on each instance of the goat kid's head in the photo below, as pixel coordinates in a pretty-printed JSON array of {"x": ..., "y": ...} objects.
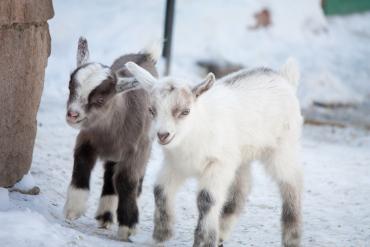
[
  {"x": 91, "y": 86},
  {"x": 173, "y": 103}
]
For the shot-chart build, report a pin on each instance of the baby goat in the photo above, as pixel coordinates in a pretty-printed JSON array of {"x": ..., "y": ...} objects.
[
  {"x": 213, "y": 134},
  {"x": 113, "y": 127}
]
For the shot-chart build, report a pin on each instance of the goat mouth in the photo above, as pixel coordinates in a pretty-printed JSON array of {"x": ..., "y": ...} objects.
[
  {"x": 166, "y": 141},
  {"x": 75, "y": 122}
]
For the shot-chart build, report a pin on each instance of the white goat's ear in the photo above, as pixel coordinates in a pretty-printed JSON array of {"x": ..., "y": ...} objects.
[
  {"x": 82, "y": 51},
  {"x": 141, "y": 75},
  {"x": 206, "y": 84},
  {"x": 126, "y": 84}
]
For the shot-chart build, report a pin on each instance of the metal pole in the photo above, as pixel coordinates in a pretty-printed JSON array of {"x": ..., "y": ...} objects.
[{"x": 168, "y": 28}]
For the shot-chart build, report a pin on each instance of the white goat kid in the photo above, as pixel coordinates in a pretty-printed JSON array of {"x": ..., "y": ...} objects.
[{"x": 214, "y": 135}]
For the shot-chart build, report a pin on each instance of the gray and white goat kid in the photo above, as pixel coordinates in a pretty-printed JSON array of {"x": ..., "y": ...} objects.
[
  {"x": 213, "y": 131},
  {"x": 114, "y": 123}
]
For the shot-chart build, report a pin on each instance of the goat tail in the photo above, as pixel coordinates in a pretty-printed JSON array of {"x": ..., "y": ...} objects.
[
  {"x": 154, "y": 50},
  {"x": 290, "y": 71}
]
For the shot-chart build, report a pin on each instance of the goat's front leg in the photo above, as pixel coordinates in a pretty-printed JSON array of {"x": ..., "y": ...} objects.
[
  {"x": 214, "y": 185},
  {"x": 168, "y": 182},
  {"x": 78, "y": 191}
]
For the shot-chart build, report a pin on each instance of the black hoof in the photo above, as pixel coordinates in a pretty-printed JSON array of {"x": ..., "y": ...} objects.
[{"x": 105, "y": 219}]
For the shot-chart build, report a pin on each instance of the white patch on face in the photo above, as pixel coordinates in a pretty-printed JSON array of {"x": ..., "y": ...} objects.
[{"x": 89, "y": 78}]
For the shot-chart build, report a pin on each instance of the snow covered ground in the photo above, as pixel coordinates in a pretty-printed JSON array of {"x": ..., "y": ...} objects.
[{"x": 336, "y": 205}]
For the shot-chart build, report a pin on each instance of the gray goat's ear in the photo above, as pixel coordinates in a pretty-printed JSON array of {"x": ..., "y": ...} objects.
[
  {"x": 145, "y": 79},
  {"x": 206, "y": 84},
  {"x": 82, "y": 51}
]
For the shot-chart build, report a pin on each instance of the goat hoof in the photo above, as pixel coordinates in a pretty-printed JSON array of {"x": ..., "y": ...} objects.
[
  {"x": 72, "y": 215},
  {"x": 105, "y": 220},
  {"x": 75, "y": 205},
  {"x": 124, "y": 232},
  {"x": 73, "y": 211},
  {"x": 161, "y": 234},
  {"x": 221, "y": 243}
]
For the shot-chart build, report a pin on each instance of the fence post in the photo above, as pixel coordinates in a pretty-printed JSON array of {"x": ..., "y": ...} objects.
[{"x": 168, "y": 28}]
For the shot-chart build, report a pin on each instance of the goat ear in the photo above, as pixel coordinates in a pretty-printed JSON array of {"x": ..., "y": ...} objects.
[
  {"x": 145, "y": 79},
  {"x": 82, "y": 51},
  {"x": 126, "y": 84},
  {"x": 206, "y": 84}
]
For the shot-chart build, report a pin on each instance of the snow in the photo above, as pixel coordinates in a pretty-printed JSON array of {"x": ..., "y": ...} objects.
[
  {"x": 4, "y": 199},
  {"x": 26, "y": 183},
  {"x": 336, "y": 162}
]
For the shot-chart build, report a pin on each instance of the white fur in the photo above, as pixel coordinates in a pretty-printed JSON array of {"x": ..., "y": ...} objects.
[
  {"x": 76, "y": 202},
  {"x": 290, "y": 71},
  {"x": 90, "y": 77},
  {"x": 154, "y": 49},
  {"x": 143, "y": 76},
  {"x": 125, "y": 232},
  {"x": 256, "y": 118},
  {"x": 107, "y": 204}
]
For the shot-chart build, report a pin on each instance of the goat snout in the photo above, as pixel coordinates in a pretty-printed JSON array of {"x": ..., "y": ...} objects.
[
  {"x": 163, "y": 137},
  {"x": 72, "y": 115}
]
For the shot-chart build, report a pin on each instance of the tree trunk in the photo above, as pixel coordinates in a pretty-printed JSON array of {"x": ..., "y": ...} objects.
[{"x": 24, "y": 50}]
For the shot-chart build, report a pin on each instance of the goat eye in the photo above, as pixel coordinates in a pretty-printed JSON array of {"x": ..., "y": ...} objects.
[
  {"x": 185, "y": 112},
  {"x": 100, "y": 100}
]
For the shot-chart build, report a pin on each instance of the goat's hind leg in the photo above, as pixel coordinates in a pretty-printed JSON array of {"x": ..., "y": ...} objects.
[
  {"x": 284, "y": 166},
  {"x": 126, "y": 182},
  {"x": 106, "y": 213},
  {"x": 234, "y": 205}
]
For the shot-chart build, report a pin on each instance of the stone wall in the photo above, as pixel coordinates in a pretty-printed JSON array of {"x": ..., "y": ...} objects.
[{"x": 24, "y": 50}]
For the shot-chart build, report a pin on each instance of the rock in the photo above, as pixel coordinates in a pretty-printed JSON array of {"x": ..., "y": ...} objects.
[
  {"x": 32, "y": 191},
  {"x": 25, "y": 47},
  {"x": 219, "y": 68},
  {"x": 263, "y": 19}
]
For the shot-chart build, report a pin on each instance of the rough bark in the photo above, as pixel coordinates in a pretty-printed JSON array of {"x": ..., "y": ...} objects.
[{"x": 24, "y": 50}]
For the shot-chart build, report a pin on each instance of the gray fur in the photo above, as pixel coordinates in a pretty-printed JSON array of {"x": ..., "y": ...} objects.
[
  {"x": 233, "y": 78},
  {"x": 291, "y": 216},
  {"x": 235, "y": 201},
  {"x": 144, "y": 60},
  {"x": 121, "y": 135},
  {"x": 162, "y": 227},
  {"x": 204, "y": 201},
  {"x": 82, "y": 52},
  {"x": 203, "y": 238}
]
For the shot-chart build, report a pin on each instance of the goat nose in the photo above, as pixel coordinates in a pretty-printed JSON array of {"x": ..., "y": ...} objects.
[
  {"x": 163, "y": 136},
  {"x": 72, "y": 114}
]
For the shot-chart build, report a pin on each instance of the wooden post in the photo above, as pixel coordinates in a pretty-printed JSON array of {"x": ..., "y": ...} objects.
[{"x": 168, "y": 28}]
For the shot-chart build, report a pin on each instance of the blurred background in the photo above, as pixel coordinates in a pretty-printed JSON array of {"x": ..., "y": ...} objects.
[{"x": 330, "y": 39}]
